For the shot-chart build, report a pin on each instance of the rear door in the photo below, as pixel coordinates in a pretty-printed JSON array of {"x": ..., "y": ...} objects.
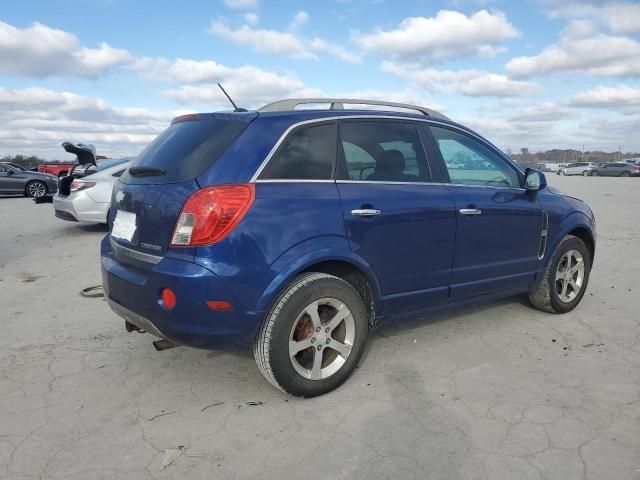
[
  {"x": 396, "y": 217},
  {"x": 499, "y": 224}
]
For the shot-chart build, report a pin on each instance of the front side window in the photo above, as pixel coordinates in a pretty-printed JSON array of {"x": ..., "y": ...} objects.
[
  {"x": 306, "y": 154},
  {"x": 382, "y": 152},
  {"x": 469, "y": 162}
]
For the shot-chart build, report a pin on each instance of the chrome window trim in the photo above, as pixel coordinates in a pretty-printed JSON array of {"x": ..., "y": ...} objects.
[
  {"x": 384, "y": 182},
  {"x": 128, "y": 252},
  {"x": 291, "y": 180},
  {"x": 284, "y": 135}
]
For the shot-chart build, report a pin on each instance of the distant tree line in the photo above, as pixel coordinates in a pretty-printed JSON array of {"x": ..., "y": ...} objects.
[
  {"x": 27, "y": 162},
  {"x": 569, "y": 156}
]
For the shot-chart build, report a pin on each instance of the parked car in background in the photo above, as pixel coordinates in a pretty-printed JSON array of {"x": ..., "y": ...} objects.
[
  {"x": 579, "y": 168},
  {"x": 617, "y": 169},
  {"x": 26, "y": 182},
  {"x": 89, "y": 198},
  {"x": 295, "y": 231},
  {"x": 59, "y": 169},
  {"x": 85, "y": 154}
]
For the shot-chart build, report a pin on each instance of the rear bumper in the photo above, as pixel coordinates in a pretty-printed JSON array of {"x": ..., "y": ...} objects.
[
  {"x": 79, "y": 207},
  {"x": 134, "y": 294}
]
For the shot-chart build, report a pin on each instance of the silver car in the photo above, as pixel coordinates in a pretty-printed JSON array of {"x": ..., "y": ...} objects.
[
  {"x": 88, "y": 199},
  {"x": 579, "y": 168},
  {"x": 14, "y": 179}
]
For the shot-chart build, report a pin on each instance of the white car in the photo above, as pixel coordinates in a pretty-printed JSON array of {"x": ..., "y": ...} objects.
[
  {"x": 580, "y": 168},
  {"x": 89, "y": 197}
]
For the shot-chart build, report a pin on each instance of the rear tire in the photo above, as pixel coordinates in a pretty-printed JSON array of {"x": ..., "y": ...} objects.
[
  {"x": 564, "y": 281},
  {"x": 306, "y": 354},
  {"x": 626, "y": 174},
  {"x": 594, "y": 173},
  {"x": 561, "y": 172}
]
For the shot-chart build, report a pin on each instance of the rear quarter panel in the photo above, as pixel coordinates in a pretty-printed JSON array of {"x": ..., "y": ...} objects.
[{"x": 289, "y": 226}]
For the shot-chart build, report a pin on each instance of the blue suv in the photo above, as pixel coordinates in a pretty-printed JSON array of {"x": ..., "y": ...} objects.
[{"x": 294, "y": 230}]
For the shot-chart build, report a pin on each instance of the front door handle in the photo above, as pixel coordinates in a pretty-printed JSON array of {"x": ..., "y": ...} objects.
[
  {"x": 365, "y": 212},
  {"x": 470, "y": 211}
]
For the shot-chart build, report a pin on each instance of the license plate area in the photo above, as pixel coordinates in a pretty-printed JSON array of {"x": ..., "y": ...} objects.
[{"x": 124, "y": 225}]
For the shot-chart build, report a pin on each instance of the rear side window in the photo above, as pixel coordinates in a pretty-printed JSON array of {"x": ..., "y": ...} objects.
[
  {"x": 306, "y": 154},
  {"x": 185, "y": 149},
  {"x": 382, "y": 152}
]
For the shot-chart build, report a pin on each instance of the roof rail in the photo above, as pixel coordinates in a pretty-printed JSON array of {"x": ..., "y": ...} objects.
[{"x": 338, "y": 104}]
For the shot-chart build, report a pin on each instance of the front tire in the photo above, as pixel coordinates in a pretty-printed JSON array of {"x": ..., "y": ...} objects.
[
  {"x": 561, "y": 172},
  {"x": 585, "y": 173},
  {"x": 35, "y": 189},
  {"x": 311, "y": 340},
  {"x": 565, "y": 279},
  {"x": 626, "y": 174}
]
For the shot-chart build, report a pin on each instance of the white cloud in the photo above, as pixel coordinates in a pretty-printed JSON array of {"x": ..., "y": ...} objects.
[
  {"x": 599, "y": 55},
  {"x": 249, "y": 85},
  {"x": 619, "y": 16},
  {"x": 338, "y": 51},
  {"x": 241, "y": 3},
  {"x": 623, "y": 97},
  {"x": 475, "y": 83},
  {"x": 289, "y": 43},
  {"x": 448, "y": 35},
  {"x": 41, "y": 51},
  {"x": 299, "y": 19},
  {"x": 37, "y": 120},
  {"x": 546, "y": 112},
  {"x": 252, "y": 18},
  {"x": 262, "y": 40}
]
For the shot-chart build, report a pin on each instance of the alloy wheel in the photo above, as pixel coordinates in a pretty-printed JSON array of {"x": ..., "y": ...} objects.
[
  {"x": 36, "y": 189},
  {"x": 569, "y": 276},
  {"x": 321, "y": 338}
]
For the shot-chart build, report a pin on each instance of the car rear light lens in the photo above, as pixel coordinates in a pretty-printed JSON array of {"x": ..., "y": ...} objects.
[
  {"x": 211, "y": 213},
  {"x": 219, "y": 305},
  {"x": 77, "y": 185},
  {"x": 168, "y": 298}
]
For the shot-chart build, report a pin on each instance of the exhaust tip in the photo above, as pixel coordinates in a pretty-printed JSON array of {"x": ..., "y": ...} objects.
[{"x": 164, "y": 344}]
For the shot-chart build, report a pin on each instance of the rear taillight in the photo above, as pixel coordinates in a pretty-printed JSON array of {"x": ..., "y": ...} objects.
[
  {"x": 78, "y": 185},
  {"x": 211, "y": 213}
]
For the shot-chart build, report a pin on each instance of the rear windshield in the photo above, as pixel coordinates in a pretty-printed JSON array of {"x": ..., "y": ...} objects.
[{"x": 185, "y": 149}]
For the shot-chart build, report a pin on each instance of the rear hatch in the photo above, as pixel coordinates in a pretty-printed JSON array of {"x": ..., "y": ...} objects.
[{"x": 147, "y": 200}]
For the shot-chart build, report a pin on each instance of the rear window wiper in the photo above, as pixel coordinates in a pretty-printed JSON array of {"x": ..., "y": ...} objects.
[{"x": 146, "y": 171}]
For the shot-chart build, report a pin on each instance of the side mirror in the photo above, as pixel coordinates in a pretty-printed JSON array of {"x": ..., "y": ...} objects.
[
  {"x": 10, "y": 172},
  {"x": 534, "y": 180}
]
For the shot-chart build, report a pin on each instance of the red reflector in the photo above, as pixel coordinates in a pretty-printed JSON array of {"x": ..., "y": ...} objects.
[
  {"x": 168, "y": 298},
  {"x": 219, "y": 305}
]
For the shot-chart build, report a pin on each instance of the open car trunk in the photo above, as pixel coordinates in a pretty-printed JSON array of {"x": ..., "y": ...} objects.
[{"x": 85, "y": 156}]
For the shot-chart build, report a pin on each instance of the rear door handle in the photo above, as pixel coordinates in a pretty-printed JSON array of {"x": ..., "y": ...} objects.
[
  {"x": 470, "y": 211},
  {"x": 365, "y": 212}
]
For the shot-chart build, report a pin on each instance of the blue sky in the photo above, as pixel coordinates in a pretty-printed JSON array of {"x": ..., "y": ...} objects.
[{"x": 534, "y": 73}]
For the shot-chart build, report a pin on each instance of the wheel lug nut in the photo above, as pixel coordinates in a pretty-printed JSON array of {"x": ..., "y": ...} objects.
[
  {"x": 313, "y": 340},
  {"x": 318, "y": 329},
  {"x": 326, "y": 329},
  {"x": 328, "y": 341},
  {"x": 319, "y": 347}
]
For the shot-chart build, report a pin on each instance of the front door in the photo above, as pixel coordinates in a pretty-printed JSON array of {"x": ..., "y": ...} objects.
[
  {"x": 396, "y": 219},
  {"x": 499, "y": 223}
]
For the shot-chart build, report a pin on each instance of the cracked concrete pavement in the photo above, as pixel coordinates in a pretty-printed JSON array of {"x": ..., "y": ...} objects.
[{"x": 494, "y": 391}]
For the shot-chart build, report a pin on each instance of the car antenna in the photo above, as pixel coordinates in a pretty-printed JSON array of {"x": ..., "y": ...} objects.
[{"x": 235, "y": 107}]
